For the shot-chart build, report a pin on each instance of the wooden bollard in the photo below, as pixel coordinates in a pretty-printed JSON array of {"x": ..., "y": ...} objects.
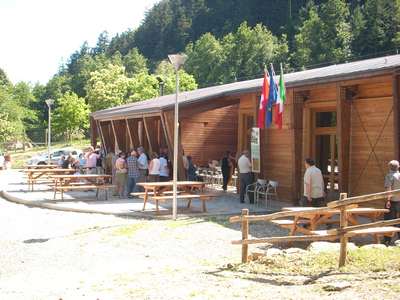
[
  {"x": 343, "y": 238},
  {"x": 245, "y": 235}
]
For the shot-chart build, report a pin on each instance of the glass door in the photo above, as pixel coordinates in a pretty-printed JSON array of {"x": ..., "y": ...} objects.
[{"x": 325, "y": 149}]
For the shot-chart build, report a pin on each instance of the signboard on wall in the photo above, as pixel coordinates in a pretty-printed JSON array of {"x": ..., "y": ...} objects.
[{"x": 255, "y": 150}]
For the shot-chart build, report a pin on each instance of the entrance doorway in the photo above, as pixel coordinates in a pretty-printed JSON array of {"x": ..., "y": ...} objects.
[{"x": 325, "y": 149}]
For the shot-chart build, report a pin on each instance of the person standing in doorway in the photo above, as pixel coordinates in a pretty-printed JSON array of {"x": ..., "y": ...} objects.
[
  {"x": 133, "y": 172},
  {"x": 392, "y": 182},
  {"x": 226, "y": 169},
  {"x": 314, "y": 186},
  {"x": 245, "y": 175}
]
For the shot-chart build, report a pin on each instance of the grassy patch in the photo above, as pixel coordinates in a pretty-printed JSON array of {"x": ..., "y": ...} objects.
[
  {"x": 358, "y": 261},
  {"x": 181, "y": 223},
  {"x": 129, "y": 230}
]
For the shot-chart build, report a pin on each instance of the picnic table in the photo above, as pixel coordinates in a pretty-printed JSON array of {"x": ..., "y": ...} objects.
[
  {"x": 84, "y": 182},
  {"x": 160, "y": 191},
  {"x": 35, "y": 174},
  {"x": 311, "y": 218}
]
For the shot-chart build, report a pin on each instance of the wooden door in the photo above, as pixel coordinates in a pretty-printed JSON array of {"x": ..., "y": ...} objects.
[{"x": 246, "y": 123}]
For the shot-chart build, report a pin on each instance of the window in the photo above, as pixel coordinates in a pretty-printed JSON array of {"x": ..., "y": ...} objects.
[{"x": 325, "y": 119}]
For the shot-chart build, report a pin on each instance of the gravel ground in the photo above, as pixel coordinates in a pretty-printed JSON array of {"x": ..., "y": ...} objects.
[{"x": 57, "y": 255}]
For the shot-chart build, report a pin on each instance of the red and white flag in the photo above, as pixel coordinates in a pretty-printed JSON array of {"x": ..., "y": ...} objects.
[{"x": 263, "y": 101}]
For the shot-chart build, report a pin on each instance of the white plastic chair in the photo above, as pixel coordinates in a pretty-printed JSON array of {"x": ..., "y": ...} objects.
[
  {"x": 269, "y": 192},
  {"x": 255, "y": 187}
]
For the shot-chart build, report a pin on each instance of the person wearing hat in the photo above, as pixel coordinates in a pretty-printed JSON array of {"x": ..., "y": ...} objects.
[{"x": 392, "y": 182}]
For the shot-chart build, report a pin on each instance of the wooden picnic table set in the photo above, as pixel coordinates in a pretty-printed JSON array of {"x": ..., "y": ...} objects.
[
  {"x": 162, "y": 191},
  {"x": 82, "y": 182},
  {"x": 309, "y": 219},
  {"x": 65, "y": 180}
]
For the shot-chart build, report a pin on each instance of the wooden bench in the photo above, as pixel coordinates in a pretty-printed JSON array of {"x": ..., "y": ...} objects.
[
  {"x": 80, "y": 187},
  {"x": 142, "y": 194},
  {"x": 203, "y": 197}
]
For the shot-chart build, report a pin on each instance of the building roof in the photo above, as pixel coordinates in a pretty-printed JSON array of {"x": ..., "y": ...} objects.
[{"x": 331, "y": 73}]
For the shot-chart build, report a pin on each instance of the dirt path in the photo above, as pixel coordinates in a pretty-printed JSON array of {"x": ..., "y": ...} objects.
[{"x": 52, "y": 255}]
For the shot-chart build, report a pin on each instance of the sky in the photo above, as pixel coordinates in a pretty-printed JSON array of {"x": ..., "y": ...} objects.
[{"x": 37, "y": 36}]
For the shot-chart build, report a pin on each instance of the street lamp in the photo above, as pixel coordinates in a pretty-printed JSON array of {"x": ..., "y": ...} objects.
[
  {"x": 177, "y": 60},
  {"x": 49, "y": 103}
]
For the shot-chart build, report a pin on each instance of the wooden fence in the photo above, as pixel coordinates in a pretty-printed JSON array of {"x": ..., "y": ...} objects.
[{"x": 342, "y": 233}]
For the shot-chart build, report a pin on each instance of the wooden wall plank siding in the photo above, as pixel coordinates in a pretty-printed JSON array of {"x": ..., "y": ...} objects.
[
  {"x": 108, "y": 135},
  {"x": 276, "y": 146},
  {"x": 371, "y": 144},
  {"x": 121, "y": 135},
  {"x": 133, "y": 125},
  {"x": 396, "y": 113},
  {"x": 208, "y": 135}
]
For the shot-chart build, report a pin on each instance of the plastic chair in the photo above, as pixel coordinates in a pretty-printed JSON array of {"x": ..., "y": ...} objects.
[
  {"x": 254, "y": 188},
  {"x": 271, "y": 191}
]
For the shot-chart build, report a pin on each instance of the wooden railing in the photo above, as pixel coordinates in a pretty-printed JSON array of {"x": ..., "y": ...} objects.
[{"x": 343, "y": 232}]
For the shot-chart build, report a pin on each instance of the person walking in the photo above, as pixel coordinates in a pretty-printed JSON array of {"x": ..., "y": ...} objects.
[
  {"x": 121, "y": 171},
  {"x": 154, "y": 168},
  {"x": 314, "y": 185},
  {"x": 133, "y": 172},
  {"x": 226, "y": 167},
  {"x": 392, "y": 182},
  {"x": 164, "y": 169},
  {"x": 245, "y": 175}
]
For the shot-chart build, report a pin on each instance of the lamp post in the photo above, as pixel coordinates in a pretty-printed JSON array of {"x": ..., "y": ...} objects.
[
  {"x": 177, "y": 60},
  {"x": 49, "y": 103}
]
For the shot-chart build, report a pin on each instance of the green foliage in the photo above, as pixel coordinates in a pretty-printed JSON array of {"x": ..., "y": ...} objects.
[
  {"x": 237, "y": 56},
  {"x": 142, "y": 86},
  {"x": 166, "y": 72},
  {"x": 324, "y": 35},
  {"x": 135, "y": 63},
  {"x": 107, "y": 87},
  {"x": 71, "y": 115}
]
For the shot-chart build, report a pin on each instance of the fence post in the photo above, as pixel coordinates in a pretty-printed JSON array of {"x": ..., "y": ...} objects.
[
  {"x": 245, "y": 234},
  {"x": 343, "y": 238}
]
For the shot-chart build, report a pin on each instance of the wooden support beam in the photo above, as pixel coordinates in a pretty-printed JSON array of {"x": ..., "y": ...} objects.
[
  {"x": 396, "y": 113},
  {"x": 129, "y": 134},
  {"x": 147, "y": 134},
  {"x": 101, "y": 136},
  {"x": 115, "y": 137},
  {"x": 167, "y": 139}
]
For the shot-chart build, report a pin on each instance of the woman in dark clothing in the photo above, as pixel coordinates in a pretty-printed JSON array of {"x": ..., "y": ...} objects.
[
  {"x": 192, "y": 176},
  {"x": 226, "y": 167}
]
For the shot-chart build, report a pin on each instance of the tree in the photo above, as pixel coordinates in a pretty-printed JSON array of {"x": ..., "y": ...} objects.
[
  {"x": 102, "y": 44},
  {"x": 324, "y": 35},
  {"x": 206, "y": 49},
  {"x": 142, "y": 86},
  {"x": 166, "y": 72},
  {"x": 71, "y": 115},
  {"x": 249, "y": 49},
  {"x": 107, "y": 87},
  {"x": 135, "y": 63},
  {"x": 3, "y": 78},
  {"x": 381, "y": 26}
]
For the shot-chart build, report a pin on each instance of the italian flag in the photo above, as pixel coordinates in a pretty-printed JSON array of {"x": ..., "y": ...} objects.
[{"x": 281, "y": 101}]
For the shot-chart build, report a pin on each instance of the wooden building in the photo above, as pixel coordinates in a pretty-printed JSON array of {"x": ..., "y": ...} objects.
[{"x": 345, "y": 116}]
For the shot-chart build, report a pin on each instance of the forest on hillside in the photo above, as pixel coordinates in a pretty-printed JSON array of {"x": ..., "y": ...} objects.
[{"x": 235, "y": 38}]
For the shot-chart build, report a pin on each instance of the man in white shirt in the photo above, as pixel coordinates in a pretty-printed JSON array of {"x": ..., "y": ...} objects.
[
  {"x": 143, "y": 165},
  {"x": 314, "y": 185},
  {"x": 245, "y": 175}
]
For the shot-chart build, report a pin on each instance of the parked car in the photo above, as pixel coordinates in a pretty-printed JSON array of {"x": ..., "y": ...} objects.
[{"x": 55, "y": 156}]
